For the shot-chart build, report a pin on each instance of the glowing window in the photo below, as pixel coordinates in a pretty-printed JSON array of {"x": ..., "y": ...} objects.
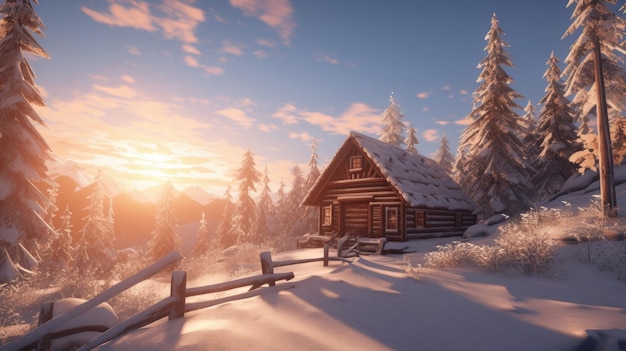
[{"x": 391, "y": 219}]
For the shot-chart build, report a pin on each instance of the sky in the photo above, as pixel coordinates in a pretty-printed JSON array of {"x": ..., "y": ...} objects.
[{"x": 178, "y": 90}]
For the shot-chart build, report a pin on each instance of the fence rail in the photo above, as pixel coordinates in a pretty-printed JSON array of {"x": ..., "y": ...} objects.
[{"x": 173, "y": 306}]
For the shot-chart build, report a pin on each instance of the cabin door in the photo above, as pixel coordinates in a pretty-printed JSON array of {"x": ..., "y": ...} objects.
[{"x": 355, "y": 218}]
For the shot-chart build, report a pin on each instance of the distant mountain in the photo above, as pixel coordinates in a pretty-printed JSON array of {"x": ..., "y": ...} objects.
[
  {"x": 69, "y": 168},
  {"x": 199, "y": 195}
]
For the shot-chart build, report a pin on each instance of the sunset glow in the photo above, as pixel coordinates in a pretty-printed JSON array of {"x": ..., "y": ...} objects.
[{"x": 178, "y": 90}]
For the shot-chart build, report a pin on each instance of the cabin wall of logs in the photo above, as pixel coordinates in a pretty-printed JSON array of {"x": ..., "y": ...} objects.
[{"x": 364, "y": 207}]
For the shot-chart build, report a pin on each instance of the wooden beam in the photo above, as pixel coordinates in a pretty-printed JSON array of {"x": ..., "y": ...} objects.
[{"x": 49, "y": 326}]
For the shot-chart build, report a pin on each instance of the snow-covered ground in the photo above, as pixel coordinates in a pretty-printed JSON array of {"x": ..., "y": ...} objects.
[{"x": 373, "y": 304}]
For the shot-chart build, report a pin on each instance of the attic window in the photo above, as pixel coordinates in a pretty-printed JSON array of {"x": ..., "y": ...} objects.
[{"x": 356, "y": 163}]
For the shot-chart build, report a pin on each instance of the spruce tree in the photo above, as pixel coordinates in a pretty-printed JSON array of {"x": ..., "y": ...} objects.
[
  {"x": 226, "y": 235},
  {"x": 23, "y": 150},
  {"x": 96, "y": 232},
  {"x": 443, "y": 156},
  {"x": 294, "y": 212},
  {"x": 555, "y": 135},
  {"x": 530, "y": 138},
  {"x": 411, "y": 140},
  {"x": 203, "y": 241},
  {"x": 393, "y": 127},
  {"x": 61, "y": 247},
  {"x": 165, "y": 234},
  {"x": 495, "y": 173},
  {"x": 310, "y": 212},
  {"x": 264, "y": 212},
  {"x": 245, "y": 209}
]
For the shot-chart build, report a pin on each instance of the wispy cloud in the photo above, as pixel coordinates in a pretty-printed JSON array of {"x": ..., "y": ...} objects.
[
  {"x": 122, "y": 91},
  {"x": 323, "y": 57},
  {"x": 430, "y": 135},
  {"x": 423, "y": 95},
  {"x": 287, "y": 114},
  {"x": 304, "y": 136},
  {"x": 211, "y": 70},
  {"x": 463, "y": 121},
  {"x": 277, "y": 14},
  {"x": 190, "y": 49},
  {"x": 174, "y": 18},
  {"x": 231, "y": 48},
  {"x": 237, "y": 115},
  {"x": 358, "y": 117}
]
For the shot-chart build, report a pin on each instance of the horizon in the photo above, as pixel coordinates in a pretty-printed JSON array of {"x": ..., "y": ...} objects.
[{"x": 171, "y": 90}]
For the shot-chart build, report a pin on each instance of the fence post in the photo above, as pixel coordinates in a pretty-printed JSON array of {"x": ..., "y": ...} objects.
[
  {"x": 45, "y": 314},
  {"x": 326, "y": 247},
  {"x": 178, "y": 291},
  {"x": 267, "y": 266}
]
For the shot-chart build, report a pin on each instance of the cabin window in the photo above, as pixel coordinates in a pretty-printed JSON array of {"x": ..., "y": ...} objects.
[
  {"x": 420, "y": 219},
  {"x": 327, "y": 215},
  {"x": 356, "y": 163},
  {"x": 391, "y": 219}
]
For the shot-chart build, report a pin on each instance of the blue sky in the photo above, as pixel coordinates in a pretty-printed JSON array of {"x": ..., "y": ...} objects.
[{"x": 149, "y": 91}]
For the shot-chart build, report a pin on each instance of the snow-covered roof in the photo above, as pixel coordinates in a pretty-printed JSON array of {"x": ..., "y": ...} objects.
[{"x": 419, "y": 180}]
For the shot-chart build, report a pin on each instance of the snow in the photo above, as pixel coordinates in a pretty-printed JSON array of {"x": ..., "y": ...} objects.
[
  {"x": 372, "y": 304},
  {"x": 419, "y": 180}
]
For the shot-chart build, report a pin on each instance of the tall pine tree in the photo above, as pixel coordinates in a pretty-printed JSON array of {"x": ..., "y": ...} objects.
[
  {"x": 165, "y": 234},
  {"x": 443, "y": 156},
  {"x": 203, "y": 241},
  {"x": 23, "y": 150},
  {"x": 555, "y": 135},
  {"x": 393, "y": 127},
  {"x": 245, "y": 209},
  {"x": 495, "y": 173},
  {"x": 226, "y": 235},
  {"x": 310, "y": 212},
  {"x": 596, "y": 22},
  {"x": 411, "y": 140}
]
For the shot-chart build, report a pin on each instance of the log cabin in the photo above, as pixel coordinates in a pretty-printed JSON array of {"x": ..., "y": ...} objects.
[{"x": 378, "y": 190}]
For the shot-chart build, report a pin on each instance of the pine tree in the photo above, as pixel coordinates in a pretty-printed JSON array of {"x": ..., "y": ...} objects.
[
  {"x": 530, "y": 138},
  {"x": 264, "y": 212},
  {"x": 226, "y": 235},
  {"x": 310, "y": 212},
  {"x": 61, "y": 247},
  {"x": 294, "y": 225},
  {"x": 24, "y": 151},
  {"x": 245, "y": 209},
  {"x": 165, "y": 234},
  {"x": 393, "y": 128},
  {"x": 203, "y": 241},
  {"x": 618, "y": 139},
  {"x": 281, "y": 214},
  {"x": 597, "y": 23},
  {"x": 495, "y": 173},
  {"x": 96, "y": 233},
  {"x": 411, "y": 140},
  {"x": 555, "y": 135},
  {"x": 443, "y": 156}
]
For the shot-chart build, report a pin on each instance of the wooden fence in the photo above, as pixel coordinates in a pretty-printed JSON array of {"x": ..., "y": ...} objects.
[{"x": 173, "y": 306}]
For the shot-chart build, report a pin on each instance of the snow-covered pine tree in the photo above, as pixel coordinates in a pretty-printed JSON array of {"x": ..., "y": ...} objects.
[
  {"x": 225, "y": 232},
  {"x": 203, "y": 241},
  {"x": 165, "y": 234},
  {"x": 310, "y": 212},
  {"x": 281, "y": 213},
  {"x": 596, "y": 21},
  {"x": 393, "y": 127},
  {"x": 294, "y": 225},
  {"x": 264, "y": 213},
  {"x": 443, "y": 156},
  {"x": 495, "y": 172},
  {"x": 245, "y": 209},
  {"x": 459, "y": 164},
  {"x": 530, "y": 139},
  {"x": 60, "y": 253},
  {"x": 555, "y": 135},
  {"x": 618, "y": 139},
  {"x": 24, "y": 151},
  {"x": 411, "y": 140},
  {"x": 96, "y": 232}
]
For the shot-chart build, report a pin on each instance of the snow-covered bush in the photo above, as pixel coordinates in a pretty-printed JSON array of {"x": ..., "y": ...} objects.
[{"x": 520, "y": 246}]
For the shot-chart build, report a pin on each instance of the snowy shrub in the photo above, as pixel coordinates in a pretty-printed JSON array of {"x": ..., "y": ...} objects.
[
  {"x": 454, "y": 254},
  {"x": 520, "y": 246}
]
